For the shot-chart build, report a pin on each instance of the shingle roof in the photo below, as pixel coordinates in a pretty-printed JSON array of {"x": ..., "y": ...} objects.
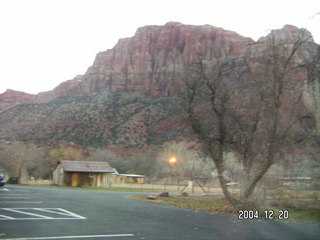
[{"x": 86, "y": 166}]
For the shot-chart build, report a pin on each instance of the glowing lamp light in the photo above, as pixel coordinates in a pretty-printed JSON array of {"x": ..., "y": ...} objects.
[{"x": 172, "y": 160}]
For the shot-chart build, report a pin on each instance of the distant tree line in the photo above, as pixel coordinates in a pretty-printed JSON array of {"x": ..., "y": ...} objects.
[{"x": 25, "y": 160}]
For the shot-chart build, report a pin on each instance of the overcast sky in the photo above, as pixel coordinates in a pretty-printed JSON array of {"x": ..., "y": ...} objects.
[{"x": 46, "y": 42}]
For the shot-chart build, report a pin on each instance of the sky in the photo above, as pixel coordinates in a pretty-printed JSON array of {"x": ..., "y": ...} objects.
[{"x": 46, "y": 42}]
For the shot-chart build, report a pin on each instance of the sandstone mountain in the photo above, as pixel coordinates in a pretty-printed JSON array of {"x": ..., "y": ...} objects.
[
  {"x": 148, "y": 61},
  {"x": 11, "y": 98},
  {"x": 123, "y": 97}
]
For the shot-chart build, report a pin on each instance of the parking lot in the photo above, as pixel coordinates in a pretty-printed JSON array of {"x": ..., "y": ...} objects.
[
  {"x": 69, "y": 213},
  {"x": 33, "y": 213}
]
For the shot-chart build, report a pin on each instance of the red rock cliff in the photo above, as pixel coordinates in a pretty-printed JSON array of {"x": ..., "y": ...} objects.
[
  {"x": 11, "y": 98},
  {"x": 147, "y": 61}
]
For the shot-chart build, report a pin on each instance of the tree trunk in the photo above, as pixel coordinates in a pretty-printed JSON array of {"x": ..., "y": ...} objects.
[
  {"x": 250, "y": 189},
  {"x": 244, "y": 184},
  {"x": 226, "y": 192},
  {"x": 233, "y": 201},
  {"x": 19, "y": 174}
]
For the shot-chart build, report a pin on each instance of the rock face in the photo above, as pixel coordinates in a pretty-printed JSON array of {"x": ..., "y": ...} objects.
[
  {"x": 123, "y": 97},
  {"x": 11, "y": 98},
  {"x": 149, "y": 60}
]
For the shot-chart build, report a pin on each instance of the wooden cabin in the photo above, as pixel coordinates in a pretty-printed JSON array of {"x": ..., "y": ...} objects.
[{"x": 82, "y": 173}]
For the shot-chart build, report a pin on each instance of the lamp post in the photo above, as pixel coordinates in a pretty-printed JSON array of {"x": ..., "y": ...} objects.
[{"x": 172, "y": 162}]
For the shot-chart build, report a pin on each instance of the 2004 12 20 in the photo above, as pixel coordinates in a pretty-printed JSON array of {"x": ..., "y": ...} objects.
[{"x": 268, "y": 214}]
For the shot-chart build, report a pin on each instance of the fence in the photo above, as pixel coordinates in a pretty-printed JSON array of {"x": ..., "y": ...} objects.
[
  {"x": 38, "y": 182},
  {"x": 300, "y": 191},
  {"x": 170, "y": 188}
]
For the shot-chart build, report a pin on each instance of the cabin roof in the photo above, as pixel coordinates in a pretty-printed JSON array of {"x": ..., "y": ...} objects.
[{"x": 86, "y": 166}]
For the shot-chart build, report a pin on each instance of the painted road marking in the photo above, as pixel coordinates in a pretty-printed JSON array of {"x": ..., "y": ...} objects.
[
  {"x": 20, "y": 202},
  {"x": 52, "y": 211},
  {"x": 25, "y": 213},
  {"x": 11, "y": 194},
  {"x": 70, "y": 237},
  {"x": 14, "y": 197},
  {"x": 37, "y": 214},
  {"x": 4, "y": 216}
]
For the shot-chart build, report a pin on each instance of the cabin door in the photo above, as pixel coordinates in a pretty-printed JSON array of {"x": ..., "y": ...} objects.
[{"x": 75, "y": 179}]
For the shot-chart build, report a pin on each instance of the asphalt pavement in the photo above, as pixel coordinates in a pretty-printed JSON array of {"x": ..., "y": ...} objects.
[{"x": 60, "y": 213}]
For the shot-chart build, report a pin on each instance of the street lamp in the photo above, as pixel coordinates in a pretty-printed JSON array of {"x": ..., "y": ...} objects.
[{"x": 172, "y": 161}]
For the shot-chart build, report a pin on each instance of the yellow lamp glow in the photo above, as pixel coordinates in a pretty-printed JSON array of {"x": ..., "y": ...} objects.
[{"x": 172, "y": 160}]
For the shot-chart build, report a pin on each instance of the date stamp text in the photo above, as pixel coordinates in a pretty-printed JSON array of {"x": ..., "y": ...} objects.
[{"x": 267, "y": 214}]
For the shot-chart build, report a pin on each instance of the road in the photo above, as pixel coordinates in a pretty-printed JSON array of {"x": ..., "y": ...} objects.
[{"x": 58, "y": 213}]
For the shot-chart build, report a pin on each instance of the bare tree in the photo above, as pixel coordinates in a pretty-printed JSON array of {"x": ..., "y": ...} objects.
[
  {"x": 278, "y": 111},
  {"x": 252, "y": 105},
  {"x": 102, "y": 155},
  {"x": 112, "y": 158},
  {"x": 63, "y": 152},
  {"x": 19, "y": 157},
  {"x": 208, "y": 96}
]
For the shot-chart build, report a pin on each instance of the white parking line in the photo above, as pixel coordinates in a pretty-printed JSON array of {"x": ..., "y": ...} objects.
[
  {"x": 20, "y": 202},
  {"x": 70, "y": 237},
  {"x": 14, "y": 197},
  {"x": 6, "y": 217},
  {"x": 51, "y": 211},
  {"x": 33, "y": 219},
  {"x": 26, "y": 213},
  {"x": 10, "y": 194},
  {"x": 33, "y": 214},
  {"x": 71, "y": 214}
]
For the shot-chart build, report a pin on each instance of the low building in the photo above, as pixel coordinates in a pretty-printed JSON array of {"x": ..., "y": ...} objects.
[
  {"x": 83, "y": 173},
  {"x": 128, "y": 178}
]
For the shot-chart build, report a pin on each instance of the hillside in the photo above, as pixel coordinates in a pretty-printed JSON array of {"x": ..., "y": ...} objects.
[{"x": 129, "y": 120}]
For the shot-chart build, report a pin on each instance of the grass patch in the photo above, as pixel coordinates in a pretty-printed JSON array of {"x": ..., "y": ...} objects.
[
  {"x": 205, "y": 203},
  {"x": 301, "y": 215},
  {"x": 219, "y": 204},
  {"x": 112, "y": 189},
  {"x": 120, "y": 189}
]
